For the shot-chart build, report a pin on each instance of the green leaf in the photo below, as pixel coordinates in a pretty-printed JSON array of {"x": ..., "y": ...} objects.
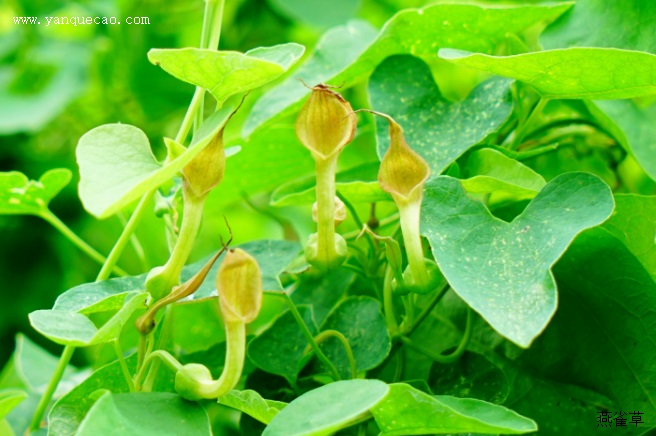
[
  {"x": 327, "y": 409},
  {"x": 226, "y": 73},
  {"x": 252, "y": 403},
  {"x": 75, "y": 329},
  {"x": 358, "y": 185},
  {"x": 615, "y": 25},
  {"x": 633, "y": 224},
  {"x": 30, "y": 369},
  {"x": 9, "y": 399},
  {"x": 436, "y": 128},
  {"x": 491, "y": 171},
  {"x": 349, "y": 53},
  {"x": 322, "y": 292},
  {"x": 591, "y": 73},
  {"x": 409, "y": 411},
  {"x": 632, "y": 126},
  {"x": 273, "y": 256},
  {"x": 278, "y": 349},
  {"x": 145, "y": 413},
  {"x": 100, "y": 296},
  {"x": 502, "y": 270},
  {"x": 361, "y": 321},
  {"x": 69, "y": 411},
  {"x": 19, "y": 195},
  {"x": 320, "y": 13},
  {"x": 117, "y": 165},
  {"x": 605, "y": 316}
]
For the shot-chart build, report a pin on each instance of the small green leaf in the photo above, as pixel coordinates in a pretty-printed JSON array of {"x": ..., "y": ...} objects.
[
  {"x": 347, "y": 54},
  {"x": 436, "y": 128},
  {"x": 226, "y": 73},
  {"x": 76, "y": 329},
  {"x": 117, "y": 165},
  {"x": 69, "y": 411},
  {"x": 361, "y": 321},
  {"x": 322, "y": 292},
  {"x": 9, "y": 399},
  {"x": 502, "y": 270},
  {"x": 491, "y": 171},
  {"x": 591, "y": 73},
  {"x": 19, "y": 195},
  {"x": 327, "y": 409},
  {"x": 145, "y": 414},
  {"x": 100, "y": 296},
  {"x": 633, "y": 223},
  {"x": 358, "y": 185},
  {"x": 278, "y": 349},
  {"x": 273, "y": 256},
  {"x": 252, "y": 403},
  {"x": 408, "y": 411},
  {"x": 632, "y": 126}
]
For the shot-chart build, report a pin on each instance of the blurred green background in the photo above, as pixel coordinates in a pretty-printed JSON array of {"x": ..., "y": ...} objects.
[{"x": 57, "y": 82}]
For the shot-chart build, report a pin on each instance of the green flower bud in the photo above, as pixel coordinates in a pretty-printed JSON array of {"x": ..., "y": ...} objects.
[
  {"x": 340, "y": 212},
  {"x": 320, "y": 259},
  {"x": 194, "y": 382},
  {"x": 239, "y": 284},
  {"x": 326, "y": 123},
  {"x": 206, "y": 170}
]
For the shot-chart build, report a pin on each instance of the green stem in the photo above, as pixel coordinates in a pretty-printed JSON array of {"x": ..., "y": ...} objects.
[
  {"x": 383, "y": 223},
  {"x": 321, "y": 337},
  {"x": 409, "y": 217},
  {"x": 76, "y": 240},
  {"x": 388, "y": 303},
  {"x": 356, "y": 218},
  {"x": 124, "y": 366},
  {"x": 136, "y": 244},
  {"x": 52, "y": 386},
  {"x": 427, "y": 310},
  {"x": 308, "y": 336},
  {"x": 326, "y": 210},
  {"x": 445, "y": 358},
  {"x": 163, "y": 356},
  {"x": 163, "y": 280},
  {"x": 123, "y": 240},
  {"x": 526, "y": 127}
]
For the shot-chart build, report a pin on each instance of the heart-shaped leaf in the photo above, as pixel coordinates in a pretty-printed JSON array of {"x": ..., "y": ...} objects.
[
  {"x": 19, "y": 195},
  {"x": 361, "y": 321},
  {"x": 145, "y": 413},
  {"x": 278, "y": 350},
  {"x": 591, "y": 73},
  {"x": 327, "y": 409},
  {"x": 75, "y": 329},
  {"x": 503, "y": 270},
  {"x": 117, "y": 165},
  {"x": 226, "y": 73},
  {"x": 349, "y": 53},
  {"x": 409, "y": 411},
  {"x": 436, "y": 128},
  {"x": 252, "y": 403}
]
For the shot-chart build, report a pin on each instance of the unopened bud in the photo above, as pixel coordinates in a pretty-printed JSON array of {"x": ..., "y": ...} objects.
[
  {"x": 340, "y": 212},
  {"x": 326, "y": 123},
  {"x": 206, "y": 170},
  {"x": 402, "y": 171},
  {"x": 320, "y": 260},
  {"x": 239, "y": 284},
  {"x": 194, "y": 382}
]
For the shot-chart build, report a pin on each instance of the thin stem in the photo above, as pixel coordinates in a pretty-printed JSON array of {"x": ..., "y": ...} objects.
[
  {"x": 321, "y": 337},
  {"x": 306, "y": 332},
  {"x": 409, "y": 217},
  {"x": 326, "y": 210},
  {"x": 428, "y": 309},
  {"x": 52, "y": 386},
  {"x": 136, "y": 244},
  {"x": 124, "y": 366},
  {"x": 445, "y": 358},
  {"x": 168, "y": 276},
  {"x": 141, "y": 351},
  {"x": 123, "y": 240},
  {"x": 188, "y": 119},
  {"x": 383, "y": 223},
  {"x": 76, "y": 240},
  {"x": 356, "y": 218},
  {"x": 388, "y": 303},
  {"x": 163, "y": 356},
  {"x": 521, "y": 132}
]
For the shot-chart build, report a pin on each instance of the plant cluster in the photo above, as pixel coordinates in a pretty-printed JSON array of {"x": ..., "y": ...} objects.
[{"x": 502, "y": 282}]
